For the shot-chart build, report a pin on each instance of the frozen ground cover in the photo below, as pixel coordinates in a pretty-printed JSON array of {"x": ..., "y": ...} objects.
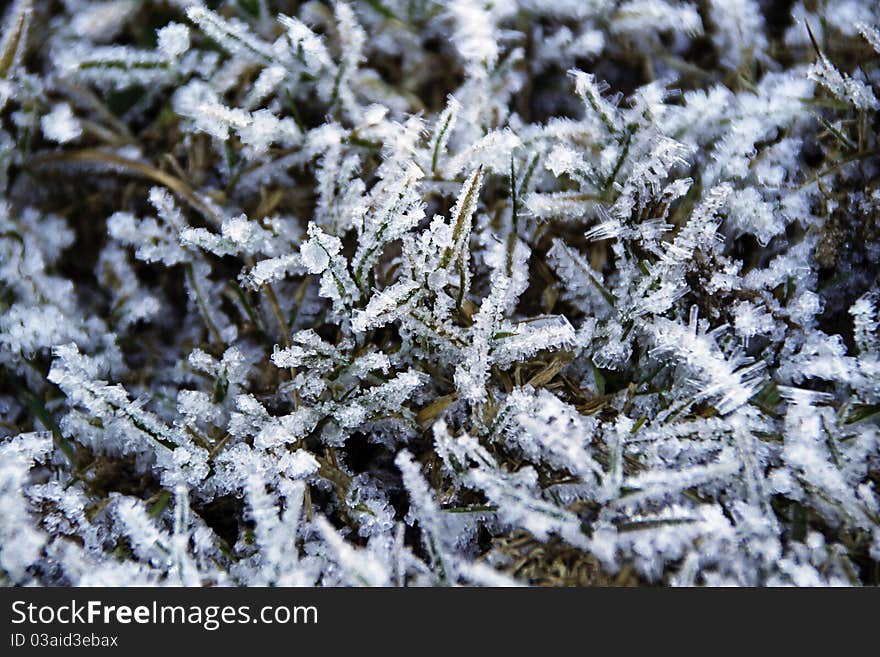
[{"x": 409, "y": 292}]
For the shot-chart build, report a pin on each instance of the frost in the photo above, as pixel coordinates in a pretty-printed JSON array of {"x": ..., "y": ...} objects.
[
  {"x": 60, "y": 125},
  {"x": 634, "y": 15},
  {"x": 843, "y": 86},
  {"x": 732, "y": 380},
  {"x": 173, "y": 40},
  {"x": 22, "y": 542},
  {"x": 439, "y": 293},
  {"x": 740, "y": 31},
  {"x": 474, "y": 35}
]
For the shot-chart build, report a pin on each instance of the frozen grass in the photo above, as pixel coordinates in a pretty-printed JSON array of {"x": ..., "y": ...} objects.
[{"x": 406, "y": 292}]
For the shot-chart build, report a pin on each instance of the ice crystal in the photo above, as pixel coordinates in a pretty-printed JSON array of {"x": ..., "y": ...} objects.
[{"x": 406, "y": 293}]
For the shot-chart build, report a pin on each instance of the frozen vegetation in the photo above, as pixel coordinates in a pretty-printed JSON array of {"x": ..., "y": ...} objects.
[{"x": 410, "y": 292}]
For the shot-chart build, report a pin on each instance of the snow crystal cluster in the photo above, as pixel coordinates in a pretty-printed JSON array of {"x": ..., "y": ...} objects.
[{"x": 421, "y": 292}]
